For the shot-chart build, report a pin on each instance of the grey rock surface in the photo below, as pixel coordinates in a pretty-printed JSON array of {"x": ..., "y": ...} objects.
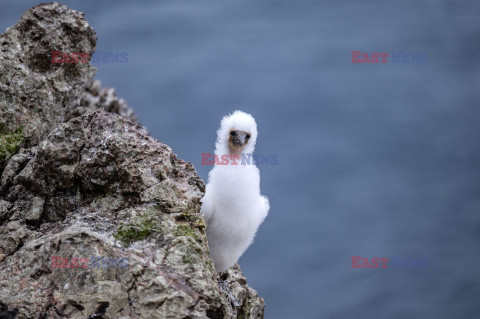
[
  {"x": 34, "y": 92},
  {"x": 81, "y": 178},
  {"x": 95, "y": 97}
]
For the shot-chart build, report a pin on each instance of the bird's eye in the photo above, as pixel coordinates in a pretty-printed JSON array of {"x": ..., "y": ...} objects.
[
  {"x": 232, "y": 133},
  {"x": 248, "y": 135}
]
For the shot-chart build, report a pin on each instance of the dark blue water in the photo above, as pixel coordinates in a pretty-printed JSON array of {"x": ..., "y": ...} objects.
[{"x": 375, "y": 160}]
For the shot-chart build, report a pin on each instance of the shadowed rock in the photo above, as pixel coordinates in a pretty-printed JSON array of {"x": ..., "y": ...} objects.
[
  {"x": 80, "y": 181},
  {"x": 34, "y": 92}
]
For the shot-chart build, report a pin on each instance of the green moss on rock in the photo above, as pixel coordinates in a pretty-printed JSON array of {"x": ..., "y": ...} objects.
[
  {"x": 188, "y": 259},
  {"x": 10, "y": 142},
  {"x": 183, "y": 230},
  {"x": 139, "y": 229}
]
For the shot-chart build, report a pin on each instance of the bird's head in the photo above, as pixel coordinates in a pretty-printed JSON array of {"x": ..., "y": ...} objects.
[
  {"x": 237, "y": 140},
  {"x": 237, "y": 134}
]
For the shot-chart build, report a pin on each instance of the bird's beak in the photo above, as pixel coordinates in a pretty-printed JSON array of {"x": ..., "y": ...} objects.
[{"x": 237, "y": 139}]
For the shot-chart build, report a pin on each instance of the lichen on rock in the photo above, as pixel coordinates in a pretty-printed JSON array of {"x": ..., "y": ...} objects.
[
  {"x": 10, "y": 143},
  {"x": 81, "y": 178}
]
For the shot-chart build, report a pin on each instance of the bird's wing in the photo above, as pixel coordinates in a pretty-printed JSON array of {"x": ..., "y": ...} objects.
[
  {"x": 207, "y": 204},
  {"x": 265, "y": 206}
]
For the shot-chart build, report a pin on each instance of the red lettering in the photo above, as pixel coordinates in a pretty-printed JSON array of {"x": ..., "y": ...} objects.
[
  {"x": 56, "y": 262},
  {"x": 384, "y": 262},
  {"x": 83, "y": 262},
  {"x": 85, "y": 57},
  {"x": 205, "y": 157},
  {"x": 75, "y": 57},
  {"x": 355, "y": 57},
  {"x": 65, "y": 263},
  {"x": 365, "y": 264},
  {"x": 66, "y": 58},
  {"x": 384, "y": 55},
  {"x": 355, "y": 262},
  {"x": 225, "y": 159},
  {"x": 234, "y": 159},
  {"x": 365, "y": 58},
  {"x": 74, "y": 263},
  {"x": 55, "y": 55}
]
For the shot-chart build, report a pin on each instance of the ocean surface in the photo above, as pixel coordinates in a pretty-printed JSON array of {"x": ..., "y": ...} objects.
[{"x": 374, "y": 159}]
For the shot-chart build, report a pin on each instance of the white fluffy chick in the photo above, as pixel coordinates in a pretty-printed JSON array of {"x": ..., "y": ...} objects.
[{"x": 233, "y": 205}]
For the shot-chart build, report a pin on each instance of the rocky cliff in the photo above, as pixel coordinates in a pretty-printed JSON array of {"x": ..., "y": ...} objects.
[{"x": 97, "y": 218}]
